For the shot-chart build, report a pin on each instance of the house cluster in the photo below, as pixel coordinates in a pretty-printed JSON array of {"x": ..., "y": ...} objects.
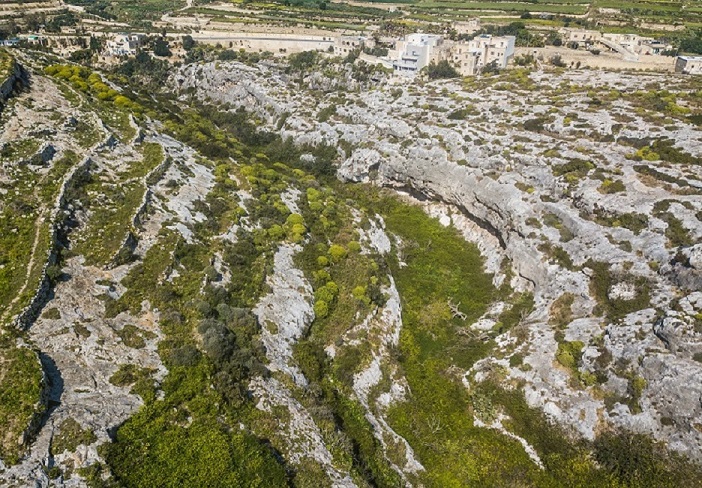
[
  {"x": 629, "y": 45},
  {"x": 123, "y": 44},
  {"x": 416, "y": 51},
  {"x": 31, "y": 39}
]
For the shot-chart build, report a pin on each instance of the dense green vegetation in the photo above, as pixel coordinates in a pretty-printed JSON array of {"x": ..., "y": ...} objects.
[
  {"x": 160, "y": 445},
  {"x": 442, "y": 69},
  {"x": 20, "y": 390},
  {"x": 436, "y": 418},
  {"x": 437, "y": 16},
  {"x": 84, "y": 80},
  {"x": 25, "y": 242},
  {"x": 137, "y": 13},
  {"x": 23, "y": 229}
]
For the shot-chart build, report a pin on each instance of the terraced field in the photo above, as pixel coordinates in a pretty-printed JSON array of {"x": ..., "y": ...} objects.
[{"x": 396, "y": 18}]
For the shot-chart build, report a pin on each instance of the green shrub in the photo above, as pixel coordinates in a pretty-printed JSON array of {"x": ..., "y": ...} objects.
[
  {"x": 462, "y": 113},
  {"x": 519, "y": 309},
  {"x": 536, "y": 124},
  {"x": 609, "y": 186},
  {"x": 52, "y": 314},
  {"x": 129, "y": 374},
  {"x": 20, "y": 394},
  {"x": 359, "y": 293},
  {"x": 579, "y": 167},
  {"x": 516, "y": 360},
  {"x": 676, "y": 233},
  {"x": 337, "y": 252},
  {"x": 326, "y": 113},
  {"x": 324, "y": 294},
  {"x": 552, "y": 220},
  {"x": 569, "y": 354},
  {"x": 321, "y": 309},
  {"x": 133, "y": 336},
  {"x": 354, "y": 246}
]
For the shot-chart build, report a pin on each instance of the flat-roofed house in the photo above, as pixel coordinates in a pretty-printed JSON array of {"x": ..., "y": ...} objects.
[{"x": 690, "y": 65}]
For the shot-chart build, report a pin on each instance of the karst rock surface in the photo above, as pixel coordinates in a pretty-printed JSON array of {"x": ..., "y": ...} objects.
[{"x": 512, "y": 180}]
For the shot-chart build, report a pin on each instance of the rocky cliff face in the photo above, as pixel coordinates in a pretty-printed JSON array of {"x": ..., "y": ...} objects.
[
  {"x": 558, "y": 168},
  {"x": 14, "y": 76}
]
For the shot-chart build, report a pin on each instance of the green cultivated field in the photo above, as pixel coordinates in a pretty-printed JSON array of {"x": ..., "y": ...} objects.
[{"x": 429, "y": 13}]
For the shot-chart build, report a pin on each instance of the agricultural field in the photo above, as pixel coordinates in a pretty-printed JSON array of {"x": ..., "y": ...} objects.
[
  {"x": 656, "y": 18},
  {"x": 132, "y": 12}
]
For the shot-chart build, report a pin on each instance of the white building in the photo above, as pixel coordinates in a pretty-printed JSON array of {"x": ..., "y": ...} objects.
[
  {"x": 655, "y": 47},
  {"x": 346, "y": 44},
  {"x": 471, "y": 57},
  {"x": 580, "y": 35},
  {"x": 626, "y": 44},
  {"x": 32, "y": 39},
  {"x": 690, "y": 65},
  {"x": 414, "y": 52},
  {"x": 498, "y": 50},
  {"x": 123, "y": 44},
  {"x": 467, "y": 26}
]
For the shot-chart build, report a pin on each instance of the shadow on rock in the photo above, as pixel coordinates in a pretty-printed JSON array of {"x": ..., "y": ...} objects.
[{"x": 54, "y": 382}]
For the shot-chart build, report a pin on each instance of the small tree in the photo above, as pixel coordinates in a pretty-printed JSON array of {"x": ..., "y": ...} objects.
[
  {"x": 95, "y": 44},
  {"x": 54, "y": 273},
  {"x": 188, "y": 43},
  {"x": 161, "y": 48},
  {"x": 490, "y": 68},
  {"x": 442, "y": 69},
  {"x": 557, "y": 61},
  {"x": 304, "y": 60},
  {"x": 524, "y": 60},
  {"x": 554, "y": 39}
]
